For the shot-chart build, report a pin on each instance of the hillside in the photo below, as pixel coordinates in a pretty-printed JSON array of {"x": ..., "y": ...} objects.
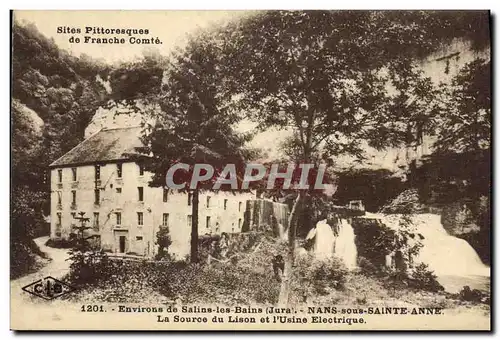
[{"x": 54, "y": 96}]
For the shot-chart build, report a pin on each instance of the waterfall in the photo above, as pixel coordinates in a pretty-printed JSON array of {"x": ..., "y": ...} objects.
[
  {"x": 446, "y": 254},
  {"x": 280, "y": 211},
  {"x": 345, "y": 248},
  {"x": 341, "y": 245},
  {"x": 324, "y": 240},
  {"x": 443, "y": 253},
  {"x": 262, "y": 213}
]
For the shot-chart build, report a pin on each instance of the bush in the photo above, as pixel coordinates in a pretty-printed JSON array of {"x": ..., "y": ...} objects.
[
  {"x": 423, "y": 278},
  {"x": 224, "y": 283},
  {"x": 60, "y": 243},
  {"x": 367, "y": 267},
  {"x": 467, "y": 294},
  {"x": 373, "y": 240},
  {"x": 316, "y": 276},
  {"x": 88, "y": 266},
  {"x": 163, "y": 240},
  {"x": 24, "y": 258},
  {"x": 113, "y": 280}
]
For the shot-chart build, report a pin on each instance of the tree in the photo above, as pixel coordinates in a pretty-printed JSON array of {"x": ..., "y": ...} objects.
[
  {"x": 467, "y": 118},
  {"x": 193, "y": 125},
  {"x": 54, "y": 96},
  {"x": 327, "y": 77},
  {"x": 459, "y": 167}
]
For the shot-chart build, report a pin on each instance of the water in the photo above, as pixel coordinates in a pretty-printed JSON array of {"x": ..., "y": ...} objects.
[
  {"x": 345, "y": 247},
  {"x": 455, "y": 283},
  {"x": 341, "y": 245},
  {"x": 452, "y": 259},
  {"x": 324, "y": 241},
  {"x": 263, "y": 211},
  {"x": 280, "y": 211}
]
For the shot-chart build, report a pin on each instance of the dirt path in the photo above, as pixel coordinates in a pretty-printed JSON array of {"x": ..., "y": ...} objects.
[
  {"x": 26, "y": 306},
  {"x": 57, "y": 267}
]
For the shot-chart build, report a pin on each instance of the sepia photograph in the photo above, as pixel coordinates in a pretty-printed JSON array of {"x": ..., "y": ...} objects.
[{"x": 324, "y": 170}]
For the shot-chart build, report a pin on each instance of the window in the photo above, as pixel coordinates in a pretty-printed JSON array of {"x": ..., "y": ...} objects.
[
  {"x": 208, "y": 222},
  {"x": 59, "y": 175},
  {"x": 97, "y": 196},
  {"x": 141, "y": 169},
  {"x": 73, "y": 171},
  {"x": 165, "y": 195},
  {"x": 140, "y": 218},
  {"x": 58, "y": 224},
  {"x": 97, "y": 170},
  {"x": 190, "y": 196},
  {"x": 239, "y": 206},
  {"x": 96, "y": 220},
  {"x": 190, "y": 221},
  {"x": 225, "y": 203},
  {"x": 119, "y": 168},
  {"x": 59, "y": 198},
  {"x": 208, "y": 201},
  {"x": 141, "y": 193},
  {"x": 138, "y": 238},
  {"x": 165, "y": 220},
  {"x": 118, "y": 190},
  {"x": 239, "y": 223},
  {"x": 73, "y": 197},
  {"x": 118, "y": 218}
]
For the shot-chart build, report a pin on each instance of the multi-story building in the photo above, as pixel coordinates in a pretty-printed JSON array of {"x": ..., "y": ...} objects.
[{"x": 99, "y": 177}]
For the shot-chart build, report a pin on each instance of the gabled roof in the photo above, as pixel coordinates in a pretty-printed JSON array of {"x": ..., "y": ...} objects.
[{"x": 104, "y": 146}]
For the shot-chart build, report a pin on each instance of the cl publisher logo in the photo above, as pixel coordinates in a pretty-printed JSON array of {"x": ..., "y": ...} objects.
[{"x": 48, "y": 288}]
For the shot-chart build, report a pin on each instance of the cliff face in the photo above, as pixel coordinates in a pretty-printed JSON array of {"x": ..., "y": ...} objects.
[
  {"x": 457, "y": 217},
  {"x": 111, "y": 118},
  {"x": 407, "y": 202}
]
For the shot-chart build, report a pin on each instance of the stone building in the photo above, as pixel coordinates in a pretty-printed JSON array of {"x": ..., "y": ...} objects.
[{"x": 99, "y": 177}]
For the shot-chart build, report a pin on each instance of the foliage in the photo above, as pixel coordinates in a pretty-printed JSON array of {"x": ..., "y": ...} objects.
[
  {"x": 26, "y": 222},
  {"x": 87, "y": 266},
  {"x": 60, "y": 243},
  {"x": 87, "y": 263},
  {"x": 191, "y": 123},
  {"x": 374, "y": 240},
  {"x": 163, "y": 240},
  {"x": 459, "y": 169},
  {"x": 25, "y": 257},
  {"x": 312, "y": 276},
  {"x": 448, "y": 177},
  {"x": 54, "y": 96},
  {"x": 300, "y": 71},
  {"x": 468, "y": 294},
  {"x": 423, "y": 278},
  {"x": 407, "y": 202},
  {"x": 249, "y": 281},
  {"x": 468, "y": 110},
  {"x": 367, "y": 267},
  {"x": 61, "y": 89}
]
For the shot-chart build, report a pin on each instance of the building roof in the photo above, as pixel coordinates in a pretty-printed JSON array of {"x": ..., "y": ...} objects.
[{"x": 104, "y": 146}]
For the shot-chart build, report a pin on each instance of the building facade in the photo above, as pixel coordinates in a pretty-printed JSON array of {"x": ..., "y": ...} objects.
[{"x": 98, "y": 177}]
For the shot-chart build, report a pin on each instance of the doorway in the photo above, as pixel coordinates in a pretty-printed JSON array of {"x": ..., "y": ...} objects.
[{"x": 122, "y": 241}]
